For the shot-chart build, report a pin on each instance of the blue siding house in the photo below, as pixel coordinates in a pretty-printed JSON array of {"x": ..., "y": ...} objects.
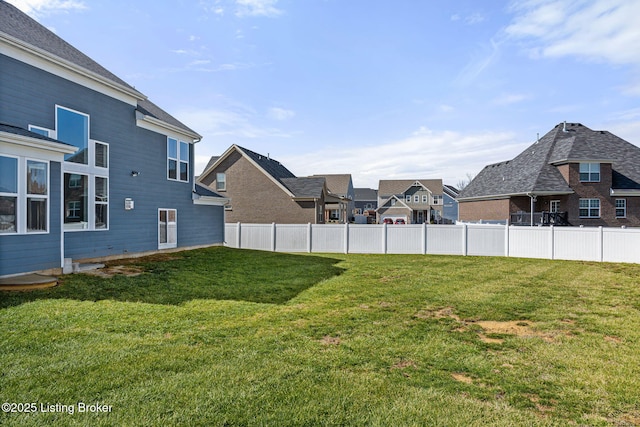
[{"x": 89, "y": 167}]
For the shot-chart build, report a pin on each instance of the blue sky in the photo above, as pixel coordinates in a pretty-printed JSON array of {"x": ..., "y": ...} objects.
[{"x": 379, "y": 89}]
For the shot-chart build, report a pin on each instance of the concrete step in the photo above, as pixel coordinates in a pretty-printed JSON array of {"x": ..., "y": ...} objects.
[{"x": 27, "y": 282}]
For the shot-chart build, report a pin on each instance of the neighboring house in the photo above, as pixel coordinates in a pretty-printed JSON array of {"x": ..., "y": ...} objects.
[
  {"x": 339, "y": 185},
  {"x": 450, "y": 204},
  {"x": 365, "y": 204},
  {"x": 416, "y": 201},
  {"x": 571, "y": 176},
  {"x": 89, "y": 168},
  {"x": 262, "y": 190}
]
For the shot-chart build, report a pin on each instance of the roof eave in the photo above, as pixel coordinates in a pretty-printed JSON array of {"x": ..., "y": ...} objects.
[
  {"x": 157, "y": 125},
  {"x": 509, "y": 195},
  {"x": 43, "y": 54}
]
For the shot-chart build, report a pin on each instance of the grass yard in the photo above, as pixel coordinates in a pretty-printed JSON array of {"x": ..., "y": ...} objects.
[{"x": 229, "y": 337}]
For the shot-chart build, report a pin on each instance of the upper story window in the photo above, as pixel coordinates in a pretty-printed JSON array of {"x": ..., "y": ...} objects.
[
  {"x": 72, "y": 127},
  {"x": 408, "y": 198},
  {"x": 590, "y": 172},
  {"x": 177, "y": 160},
  {"x": 437, "y": 199},
  {"x": 221, "y": 182},
  {"x": 425, "y": 198},
  {"x": 416, "y": 198}
]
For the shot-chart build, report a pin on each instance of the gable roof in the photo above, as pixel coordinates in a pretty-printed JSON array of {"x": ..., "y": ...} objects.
[
  {"x": 337, "y": 183},
  {"x": 387, "y": 187},
  {"x": 534, "y": 170},
  {"x": 398, "y": 204},
  {"x": 305, "y": 187},
  {"x": 365, "y": 194},
  {"x": 20, "y": 30}
]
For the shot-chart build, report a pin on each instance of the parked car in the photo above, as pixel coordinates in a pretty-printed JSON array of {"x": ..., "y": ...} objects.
[
  {"x": 387, "y": 221},
  {"x": 400, "y": 221}
]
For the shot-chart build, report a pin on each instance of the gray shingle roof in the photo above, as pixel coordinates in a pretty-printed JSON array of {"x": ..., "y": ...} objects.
[
  {"x": 201, "y": 190},
  {"x": 365, "y": 194},
  {"x": 272, "y": 167},
  {"x": 18, "y": 25},
  {"x": 24, "y": 132},
  {"x": 305, "y": 186},
  {"x": 534, "y": 170}
]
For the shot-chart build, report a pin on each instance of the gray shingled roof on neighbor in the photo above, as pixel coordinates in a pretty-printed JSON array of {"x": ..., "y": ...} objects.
[
  {"x": 534, "y": 172},
  {"x": 20, "y": 26},
  {"x": 306, "y": 187},
  {"x": 365, "y": 194}
]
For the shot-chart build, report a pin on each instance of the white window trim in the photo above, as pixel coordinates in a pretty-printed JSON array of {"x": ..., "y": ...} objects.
[
  {"x": 37, "y": 196},
  {"x": 22, "y": 196},
  {"x": 590, "y": 208},
  {"x": 590, "y": 172},
  {"x": 90, "y": 170},
  {"x": 49, "y": 131},
  {"x": 179, "y": 160},
  {"x": 168, "y": 245},
  {"x": 224, "y": 187},
  {"x": 555, "y": 203},
  {"x": 624, "y": 208}
]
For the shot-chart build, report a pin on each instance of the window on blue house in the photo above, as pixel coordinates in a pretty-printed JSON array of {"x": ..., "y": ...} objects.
[
  {"x": 86, "y": 172},
  {"x": 177, "y": 160},
  {"x": 8, "y": 194},
  {"x": 24, "y": 195},
  {"x": 72, "y": 127}
]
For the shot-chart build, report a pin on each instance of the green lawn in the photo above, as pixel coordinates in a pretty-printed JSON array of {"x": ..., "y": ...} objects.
[{"x": 228, "y": 337}]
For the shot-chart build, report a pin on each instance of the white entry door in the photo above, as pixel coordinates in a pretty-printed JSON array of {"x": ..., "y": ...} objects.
[{"x": 167, "y": 228}]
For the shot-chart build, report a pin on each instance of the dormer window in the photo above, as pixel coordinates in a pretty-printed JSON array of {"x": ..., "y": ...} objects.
[{"x": 589, "y": 172}]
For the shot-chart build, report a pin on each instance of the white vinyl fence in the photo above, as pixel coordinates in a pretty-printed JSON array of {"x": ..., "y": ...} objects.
[{"x": 567, "y": 243}]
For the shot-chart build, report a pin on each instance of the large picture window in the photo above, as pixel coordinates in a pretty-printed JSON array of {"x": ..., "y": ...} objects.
[
  {"x": 177, "y": 160},
  {"x": 86, "y": 173},
  {"x": 73, "y": 128}
]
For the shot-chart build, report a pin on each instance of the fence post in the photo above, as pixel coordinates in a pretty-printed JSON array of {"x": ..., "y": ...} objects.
[
  {"x": 238, "y": 235},
  {"x": 346, "y": 237},
  {"x": 506, "y": 239},
  {"x": 384, "y": 237},
  {"x": 309, "y": 237},
  {"x": 552, "y": 241},
  {"x": 601, "y": 242},
  {"x": 424, "y": 238},
  {"x": 273, "y": 237},
  {"x": 464, "y": 239}
]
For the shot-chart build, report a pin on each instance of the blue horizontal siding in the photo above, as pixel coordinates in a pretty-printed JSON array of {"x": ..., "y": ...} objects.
[
  {"x": 34, "y": 252},
  {"x": 29, "y": 95}
]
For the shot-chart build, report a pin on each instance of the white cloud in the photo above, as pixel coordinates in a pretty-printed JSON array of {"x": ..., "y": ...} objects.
[
  {"x": 37, "y": 8},
  {"x": 601, "y": 30},
  {"x": 449, "y": 155},
  {"x": 265, "y": 8},
  {"x": 281, "y": 114}
]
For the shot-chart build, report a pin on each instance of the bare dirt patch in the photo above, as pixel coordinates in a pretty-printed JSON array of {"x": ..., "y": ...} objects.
[
  {"x": 110, "y": 271},
  {"x": 405, "y": 364},
  {"x": 328, "y": 340},
  {"x": 519, "y": 328},
  {"x": 462, "y": 378}
]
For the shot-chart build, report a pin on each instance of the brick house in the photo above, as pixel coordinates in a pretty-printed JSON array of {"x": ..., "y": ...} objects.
[
  {"x": 262, "y": 190},
  {"x": 415, "y": 201},
  {"x": 571, "y": 176},
  {"x": 341, "y": 210}
]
